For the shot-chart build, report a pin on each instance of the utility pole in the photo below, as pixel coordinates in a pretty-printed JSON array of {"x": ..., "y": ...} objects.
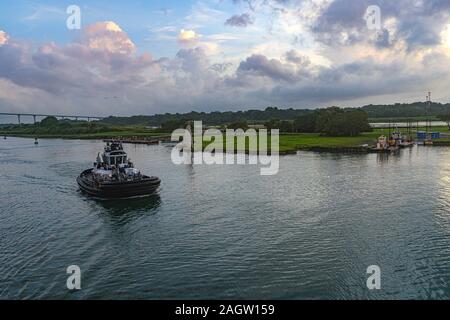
[{"x": 428, "y": 112}]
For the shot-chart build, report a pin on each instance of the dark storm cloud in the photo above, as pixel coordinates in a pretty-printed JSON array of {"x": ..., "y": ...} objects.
[
  {"x": 383, "y": 39},
  {"x": 295, "y": 57},
  {"x": 261, "y": 65},
  {"x": 26, "y": 69},
  {"x": 242, "y": 20},
  {"x": 419, "y": 23},
  {"x": 360, "y": 79}
]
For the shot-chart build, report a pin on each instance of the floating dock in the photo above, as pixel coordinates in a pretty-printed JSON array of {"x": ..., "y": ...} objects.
[{"x": 140, "y": 140}]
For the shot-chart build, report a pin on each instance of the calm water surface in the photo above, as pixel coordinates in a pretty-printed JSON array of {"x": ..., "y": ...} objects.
[{"x": 225, "y": 231}]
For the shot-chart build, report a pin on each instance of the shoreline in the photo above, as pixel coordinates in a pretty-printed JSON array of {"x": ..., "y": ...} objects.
[
  {"x": 290, "y": 144},
  {"x": 284, "y": 150}
]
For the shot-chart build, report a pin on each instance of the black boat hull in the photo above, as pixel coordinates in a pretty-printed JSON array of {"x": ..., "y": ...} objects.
[{"x": 115, "y": 190}]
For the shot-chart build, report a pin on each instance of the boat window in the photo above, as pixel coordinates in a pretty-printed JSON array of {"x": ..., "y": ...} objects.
[
  {"x": 112, "y": 160},
  {"x": 119, "y": 160}
]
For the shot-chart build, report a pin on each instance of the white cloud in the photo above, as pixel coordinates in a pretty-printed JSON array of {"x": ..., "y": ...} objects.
[
  {"x": 445, "y": 37},
  {"x": 108, "y": 36},
  {"x": 45, "y": 12},
  {"x": 187, "y": 36},
  {"x": 3, "y": 37},
  {"x": 210, "y": 44},
  {"x": 203, "y": 15}
]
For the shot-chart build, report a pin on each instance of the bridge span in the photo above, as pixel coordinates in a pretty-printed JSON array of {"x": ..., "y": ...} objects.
[{"x": 58, "y": 116}]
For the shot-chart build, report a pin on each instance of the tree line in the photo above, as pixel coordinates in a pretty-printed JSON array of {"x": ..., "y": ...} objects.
[
  {"x": 216, "y": 118},
  {"x": 332, "y": 121},
  {"x": 407, "y": 110}
]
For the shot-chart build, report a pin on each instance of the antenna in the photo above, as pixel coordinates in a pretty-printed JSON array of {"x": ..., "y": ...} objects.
[{"x": 428, "y": 112}]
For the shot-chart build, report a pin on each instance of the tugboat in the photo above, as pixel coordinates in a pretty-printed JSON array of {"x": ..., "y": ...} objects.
[
  {"x": 384, "y": 145},
  {"x": 114, "y": 176},
  {"x": 402, "y": 141}
]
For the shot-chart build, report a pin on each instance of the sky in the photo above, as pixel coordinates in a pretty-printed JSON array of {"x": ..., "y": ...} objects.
[{"x": 175, "y": 56}]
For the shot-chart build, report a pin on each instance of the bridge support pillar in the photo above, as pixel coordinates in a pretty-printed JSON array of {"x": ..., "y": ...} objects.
[
  {"x": 34, "y": 118},
  {"x": 18, "y": 118}
]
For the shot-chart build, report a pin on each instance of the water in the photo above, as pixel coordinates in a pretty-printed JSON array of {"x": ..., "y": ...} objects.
[
  {"x": 414, "y": 124},
  {"x": 225, "y": 231}
]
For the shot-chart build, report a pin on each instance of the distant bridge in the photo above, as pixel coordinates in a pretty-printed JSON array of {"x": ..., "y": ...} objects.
[{"x": 36, "y": 115}]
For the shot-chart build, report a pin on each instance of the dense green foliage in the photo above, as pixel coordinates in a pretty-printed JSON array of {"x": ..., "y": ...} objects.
[
  {"x": 210, "y": 119},
  {"x": 339, "y": 122},
  {"x": 276, "y": 115},
  {"x": 238, "y": 125},
  {"x": 332, "y": 121},
  {"x": 48, "y": 127},
  {"x": 173, "y": 124},
  {"x": 445, "y": 118},
  {"x": 49, "y": 122},
  {"x": 282, "y": 125},
  {"x": 402, "y": 110},
  {"x": 306, "y": 123}
]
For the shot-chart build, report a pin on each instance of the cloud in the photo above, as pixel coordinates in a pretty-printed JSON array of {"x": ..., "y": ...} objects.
[
  {"x": 82, "y": 77},
  {"x": 189, "y": 39},
  {"x": 194, "y": 60},
  {"x": 296, "y": 57},
  {"x": 42, "y": 12},
  {"x": 3, "y": 37},
  {"x": 108, "y": 36},
  {"x": 339, "y": 61},
  {"x": 416, "y": 23},
  {"x": 242, "y": 20},
  {"x": 187, "y": 36},
  {"x": 272, "y": 68},
  {"x": 203, "y": 15},
  {"x": 273, "y": 81},
  {"x": 101, "y": 61}
]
